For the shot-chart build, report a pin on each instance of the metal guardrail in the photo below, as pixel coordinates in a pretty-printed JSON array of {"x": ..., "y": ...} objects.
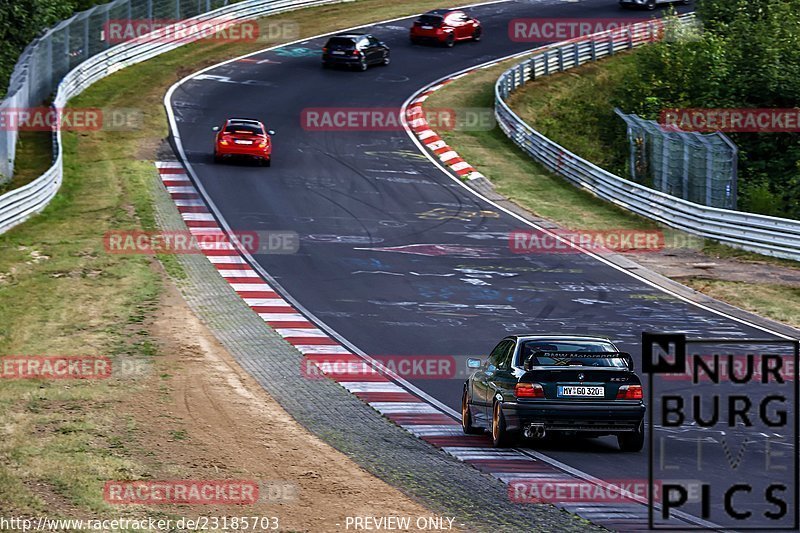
[
  {"x": 18, "y": 205},
  {"x": 777, "y": 237}
]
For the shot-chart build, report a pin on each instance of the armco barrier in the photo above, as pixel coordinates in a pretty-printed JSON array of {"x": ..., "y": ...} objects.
[
  {"x": 19, "y": 204},
  {"x": 763, "y": 234}
]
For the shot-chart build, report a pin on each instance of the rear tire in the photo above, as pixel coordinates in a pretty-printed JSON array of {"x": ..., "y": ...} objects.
[
  {"x": 466, "y": 418},
  {"x": 450, "y": 41},
  {"x": 477, "y": 34},
  {"x": 501, "y": 438},
  {"x": 267, "y": 162},
  {"x": 217, "y": 159},
  {"x": 633, "y": 441},
  {"x": 362, "y": 65},
  {"x": 386, "y": 60}
]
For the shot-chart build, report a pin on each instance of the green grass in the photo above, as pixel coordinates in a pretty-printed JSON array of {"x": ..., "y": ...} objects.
[
  {"x": 61, "y": 294},
  {"x": 35, "y": 152},
  {"x": 778, "y": 302},
  {"x": 573, "y": 109}
]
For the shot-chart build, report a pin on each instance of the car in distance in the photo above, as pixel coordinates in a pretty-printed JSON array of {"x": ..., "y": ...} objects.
[
  {"x": 357, "y": 50},
  {"x": 650, "y": 4},
  {"x": 446, "y": 27},
  {"x": 243, "y": 138},
  {"x": 535, "y": 385}
]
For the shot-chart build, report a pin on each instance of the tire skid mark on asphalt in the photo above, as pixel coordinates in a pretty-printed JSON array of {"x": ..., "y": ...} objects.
[{"x": 361, "y": 377}]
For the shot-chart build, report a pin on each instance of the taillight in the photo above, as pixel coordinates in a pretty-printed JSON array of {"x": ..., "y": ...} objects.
[
  {"x": 629, "y": 392},
  {"x": 325, "y": 50},
  {"x": 263, "y": 144},
  {"x": 528, "y": 390},
  {"x": 224, "y": 141},
  {"x": 356, "y": 52}
]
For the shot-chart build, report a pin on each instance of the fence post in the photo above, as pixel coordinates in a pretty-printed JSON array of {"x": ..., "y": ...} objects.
[
  {"x": 610, "y": 45},
  {"x": 686, "y": 170},
  {"x": 709, "y": 176},
  {"x": 532, "y": 63},
  {"x": 577, "y": 52},
  {"x": 594, "y": 50},
  {"x": 150, "y": 10},
  {"x": 560, "y": 59},
  {"x": 86, "y": 34},
  {"x": 177, "y": 9},
  {"x": 547, "y": 63}
]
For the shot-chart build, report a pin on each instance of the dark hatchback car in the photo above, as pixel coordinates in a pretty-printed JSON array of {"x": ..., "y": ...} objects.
[
  {"x": 534, "y": 385},
  {"x": 356, "y": 50}
]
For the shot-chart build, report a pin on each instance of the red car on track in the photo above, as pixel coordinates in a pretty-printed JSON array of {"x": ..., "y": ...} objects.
[
  {"x": 243, "y": 137},
  {"x": 445, "y": 26}
]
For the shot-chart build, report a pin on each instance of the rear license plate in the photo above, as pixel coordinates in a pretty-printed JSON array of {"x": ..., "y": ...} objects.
[
  {"x": 243, "y": 142},
  {"x": 337, "y": 53},
  {"x": 427, "y": 27},
  {"x": 580, "y": 391}
]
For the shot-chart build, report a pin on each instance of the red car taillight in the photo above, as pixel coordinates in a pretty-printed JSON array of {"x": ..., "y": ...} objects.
[
  {"x": 629, "y": 392},
  {"x": 263, "y": 144},
  {"x": 528, "y": 390},
  {"x": 224, "y": 141}
]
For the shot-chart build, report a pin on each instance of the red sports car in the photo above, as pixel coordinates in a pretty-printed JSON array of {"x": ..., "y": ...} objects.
[
  {"x": 445, "y": 26},
  {"x": 243, "y": 137}
]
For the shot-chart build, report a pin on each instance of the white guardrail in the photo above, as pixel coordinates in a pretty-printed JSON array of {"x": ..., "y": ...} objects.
[
  {"x": 763, "y": 234},
  {"x": 18, "y": 205}
]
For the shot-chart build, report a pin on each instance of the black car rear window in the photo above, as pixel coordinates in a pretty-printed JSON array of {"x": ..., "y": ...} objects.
[
  {"x": 342, "y": 42},
  {"x": 430, "y": 20},
  {"x": 241, "y": 128},
  {"x": 572, "y": 357}
]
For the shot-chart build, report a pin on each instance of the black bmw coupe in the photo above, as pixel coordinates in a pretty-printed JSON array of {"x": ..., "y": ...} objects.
[{"x": 533, "y": 385}]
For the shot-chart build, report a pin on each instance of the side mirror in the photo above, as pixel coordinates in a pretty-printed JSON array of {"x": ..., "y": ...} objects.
[
  {"x": 215, "y": 128},
  {"x": 474, "y": 363},
  {"x": 271, "y": 132}
]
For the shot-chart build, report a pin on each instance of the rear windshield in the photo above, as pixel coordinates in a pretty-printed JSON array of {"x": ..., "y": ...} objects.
[
  {"x": 343, "y": 42},
  {"x": 548, "y": 358},
  {"x": 241, "y": 128},
  {"x": 430, "y": 20}
]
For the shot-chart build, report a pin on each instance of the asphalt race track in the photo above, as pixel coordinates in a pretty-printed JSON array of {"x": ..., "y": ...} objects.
[{"x": 364, "y": 201}]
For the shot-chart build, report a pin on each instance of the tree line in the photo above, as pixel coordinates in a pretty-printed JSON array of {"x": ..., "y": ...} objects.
[{"x": 745, "y": 55}]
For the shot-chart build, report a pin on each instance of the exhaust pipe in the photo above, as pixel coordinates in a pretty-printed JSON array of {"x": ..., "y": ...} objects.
[{"x": 534, "y": 431}]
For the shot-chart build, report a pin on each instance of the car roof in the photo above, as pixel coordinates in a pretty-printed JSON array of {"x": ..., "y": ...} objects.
[
  {"x": 533, "y": 336},
  {"x": 440, "y": 12},
  {"x": 351, "y": 35},
  {"x": 244, "y": 121}
]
